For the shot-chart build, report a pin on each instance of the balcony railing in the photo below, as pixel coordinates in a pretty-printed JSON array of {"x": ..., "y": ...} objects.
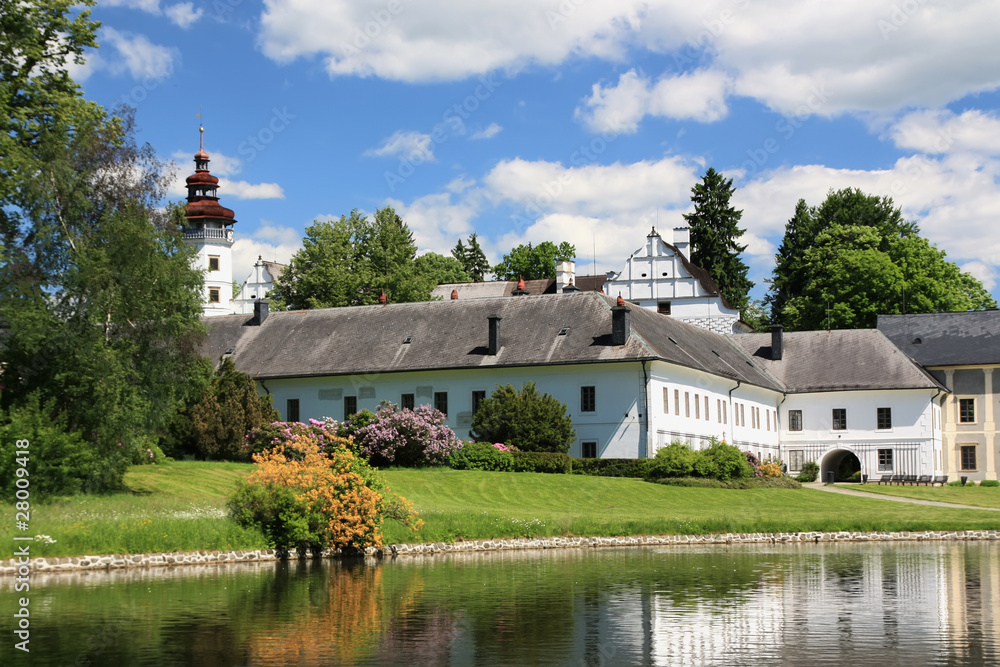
[{"x": 208, "y": 233}]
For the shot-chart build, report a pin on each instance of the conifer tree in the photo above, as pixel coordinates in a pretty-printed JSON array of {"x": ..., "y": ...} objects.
[
  {"x": 472, "y": 258},
  {"x": 715, "y": 232}
]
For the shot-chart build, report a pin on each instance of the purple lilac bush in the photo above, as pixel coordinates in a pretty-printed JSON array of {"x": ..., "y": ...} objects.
[{"x": 407, "y": 437}]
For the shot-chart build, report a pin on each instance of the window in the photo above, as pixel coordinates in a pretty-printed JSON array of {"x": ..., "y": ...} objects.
[
  {"x": 350, "y": 406},
  {"x": 967, "y": 410},
  {"x": 706, "y": 408},
  {"x": 774, "y": 413},
  {"x": 477, "y": 399},
  {"x": 589, "y": 450},
  {"x": 839, "y": 419},
  {"x": 795, "y": 459},
  {"x": 213, "y": 295},
  {"x": 666, "y": 409},
  {"x": 753, "y": 417},
  {"x": 767, "y": 414},
  {"x": 883, "y": 418},
  {"x": 677, "y": 402},
  {"x": 687, "y": 404},
  {"x": 213, "y": 262},
  {"x": 588, "y": 399},
  {"x": 885, "y": 459},
  {"x": 718, "y": 409},
  {"x": 441, "y": 402},
  {"x": 406, "y": 401},
  {"x": 794, "y": 420},
  {"x": 743, "y": 415},
  {"x": 663, "y": 307},
  {"x": 725, "y": 415},
  {"x": 292, "y": 410},
  {"x": 697, "y": 406},
  {"x": 968, "y": 457}
]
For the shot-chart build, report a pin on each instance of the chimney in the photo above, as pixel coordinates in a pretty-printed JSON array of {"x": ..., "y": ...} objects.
[
  {"x": 682, "y": 241},
  {"x": 776, "y": 330},
  {"x": 620, "y": 326},
  {"x": 454, "y": 294},
  {"x": 260, "y": 311},
  {"x": 571, "y": 287},
  {"x": 520, "y": 291},
  {"x": 494, "y": 347},
  {"x": 565, "y": 272}
]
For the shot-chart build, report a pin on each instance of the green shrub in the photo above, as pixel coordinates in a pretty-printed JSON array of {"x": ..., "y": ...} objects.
[
  {"x": 530, "y": 421},
  {"x": 856, "y": 477},
  {"x": 674, "y": 460},
  {"x": 59, "y": 461},
  {"x": 481, "y": 456},
  {"x": 721, "y": 461},
  {"x": 638, "y": 468},
  {"x": 697, "y": 482},
  {"x": 809, "y": 472},
  {"x": 738, "y": 483},
  {"x": 551, "y": 462},
  {"x": 989, "y": 482}
]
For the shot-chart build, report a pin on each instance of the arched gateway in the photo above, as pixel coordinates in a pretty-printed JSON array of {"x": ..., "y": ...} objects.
[{"x": 842, "y": 462}]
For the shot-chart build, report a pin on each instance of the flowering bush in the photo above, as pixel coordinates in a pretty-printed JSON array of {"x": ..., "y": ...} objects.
[
  {"x": 407, "y": 437},
  {"x": 325, "y": 432},
  {"x": 310, "y": 492}
]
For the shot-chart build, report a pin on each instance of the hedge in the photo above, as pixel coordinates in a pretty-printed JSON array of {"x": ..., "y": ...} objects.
[
  {"x": 612, "y": 467},
  {"x": 552, "y": 462}
]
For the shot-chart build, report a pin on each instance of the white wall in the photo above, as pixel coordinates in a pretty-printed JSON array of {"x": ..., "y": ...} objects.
[
  {"x": 915, "y": 436},
  {"x": 257, "y": 285},
  {"x": 616, "y": 424},
  {"x": 221, "y": 279}
]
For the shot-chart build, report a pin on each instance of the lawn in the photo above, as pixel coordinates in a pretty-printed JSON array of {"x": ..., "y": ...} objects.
[
  {"x": 960, "y": 495},
  {"x": 180, "y": 506}
]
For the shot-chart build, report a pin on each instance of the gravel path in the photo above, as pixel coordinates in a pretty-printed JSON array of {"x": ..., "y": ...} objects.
[{"x": 851, "y": 492}]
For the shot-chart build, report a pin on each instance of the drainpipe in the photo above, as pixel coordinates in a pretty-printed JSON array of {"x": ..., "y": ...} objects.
[
  {"x": 264, "y": 387},
  {"x": 941, "y": 426},
  {"x": 645, "y": 414},
  {"x": 732, "y": 413}
]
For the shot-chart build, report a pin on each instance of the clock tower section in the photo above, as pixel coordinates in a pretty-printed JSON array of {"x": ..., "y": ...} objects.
[{"x": 209, "y": 228}]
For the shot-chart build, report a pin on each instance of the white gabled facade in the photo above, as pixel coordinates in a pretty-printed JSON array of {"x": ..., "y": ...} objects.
[
  {"x": 659, "y": 277},
  {"x": 258, "y": 285}
]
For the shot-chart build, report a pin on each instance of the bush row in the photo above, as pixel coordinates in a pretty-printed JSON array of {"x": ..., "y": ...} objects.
[{"x": 499, "y": 457}]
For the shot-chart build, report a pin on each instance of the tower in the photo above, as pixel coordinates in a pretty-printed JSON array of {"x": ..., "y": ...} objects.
[{"x": 210, "y": 229}]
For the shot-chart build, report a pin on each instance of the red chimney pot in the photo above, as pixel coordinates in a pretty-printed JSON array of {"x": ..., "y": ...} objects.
[
  {"x": 454, "y": 294},
  {"x": 621, "y": 301},
  {"x": 381, "y": 298}
]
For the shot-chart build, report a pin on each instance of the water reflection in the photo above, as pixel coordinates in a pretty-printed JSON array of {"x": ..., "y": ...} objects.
[{"x": 902, "y": 604}]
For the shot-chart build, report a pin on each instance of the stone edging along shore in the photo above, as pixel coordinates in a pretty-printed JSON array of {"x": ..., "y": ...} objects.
[{"x": 76, "y": 563}]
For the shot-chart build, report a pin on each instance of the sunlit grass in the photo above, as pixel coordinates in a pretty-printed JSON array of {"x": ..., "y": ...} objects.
[
  {"x": 960, "y": 495},
  {"x": 181, "y": 506}
]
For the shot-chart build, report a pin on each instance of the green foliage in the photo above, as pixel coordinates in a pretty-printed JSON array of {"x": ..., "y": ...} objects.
[
  {"x": 715, "y": 232},
  {"x": 989, "y": 483},
  {"x": 433, "y": 269},
  {"x": 349, "y": 262},
  {"x": 525, "y": 419},
  {"x": 533, "y": 262},
  {"x": 637, "y": 468},
  {"x": 228, "y": 411},
  {"x": 809, "y": 472},
  {"x": 472, "y": 258},
  {"x": 481, "y": 456},
  {"x": 675, "y": 460},
  {"x": 854, "y": 257},
  {"x": 550, "y": 462},
  {"x": 59, "y": 461}
]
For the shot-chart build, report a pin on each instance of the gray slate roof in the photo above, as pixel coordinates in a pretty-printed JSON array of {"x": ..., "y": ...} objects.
[
  {"x": 840, "y": 360},
  {"x": 946, "y": 339},
  {"x": 454, "y": 334},
  {"x": 490, "y": 288}
]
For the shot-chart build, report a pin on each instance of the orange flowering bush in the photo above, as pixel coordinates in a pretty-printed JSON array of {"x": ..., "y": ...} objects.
[{"x": 312, "y": 493}]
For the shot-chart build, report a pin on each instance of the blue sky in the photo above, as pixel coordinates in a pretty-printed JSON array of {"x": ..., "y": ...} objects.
[{"x": 579, "y": 120}]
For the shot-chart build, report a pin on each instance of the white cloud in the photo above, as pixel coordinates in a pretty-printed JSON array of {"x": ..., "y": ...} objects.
[
  {"x": 406, "y": 145},
  {"x": 184, "y": 14},
  {"x": 219, "y": 164},
  {"x": 488, "y": 132},
  {"x": 617, "y": 109},
  {"x": 271, "y": 242},
  {"x": 150, "y": 6},
  {"x": 437, "y": 222},
  {"x": 821, "y": 58},
  {"x": 137, "y": 55},
  {"x": 941, "y": 131},
  {"x": 245, "y": 190}
]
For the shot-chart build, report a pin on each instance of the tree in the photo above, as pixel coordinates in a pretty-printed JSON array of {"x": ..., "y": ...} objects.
[
  {"x": 434, "y": 269},
  {"x": 533, "y": 263},
  {"x": 227, "y": 412},
  {"x": 350, "y": 262},
  {"x": 472, "y": 258},
  {"x": 97, "y": 295},
  {"x": 855, "y": 257},
  {"x": 714, "y": 233},
  {"x": 530, "y": 421}
]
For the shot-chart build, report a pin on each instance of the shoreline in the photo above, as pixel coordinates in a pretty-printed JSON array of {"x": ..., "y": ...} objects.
[{"x": 68, "y": 564}]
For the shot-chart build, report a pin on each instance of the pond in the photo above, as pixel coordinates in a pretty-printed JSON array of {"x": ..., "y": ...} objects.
[{"x": 859, "y": 604}]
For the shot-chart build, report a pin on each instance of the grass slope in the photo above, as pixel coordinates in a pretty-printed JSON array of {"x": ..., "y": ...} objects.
[{"x": 180, "y": 506}]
